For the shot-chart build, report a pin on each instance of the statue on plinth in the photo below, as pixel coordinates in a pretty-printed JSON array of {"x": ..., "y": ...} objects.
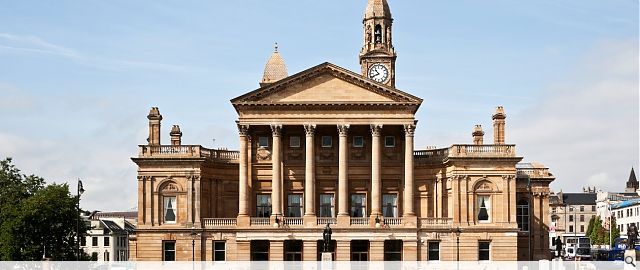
[
  {"x": 632, "y": 235},
  {"x": 326, "y": 236}
]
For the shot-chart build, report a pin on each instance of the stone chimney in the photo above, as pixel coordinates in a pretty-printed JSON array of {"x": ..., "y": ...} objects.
[
  {"x": 154, "y": 126},
  {"x": 176, "y": 135},
  {"x": 478, "y": 135},
  {"x": 498, "y": 125}
]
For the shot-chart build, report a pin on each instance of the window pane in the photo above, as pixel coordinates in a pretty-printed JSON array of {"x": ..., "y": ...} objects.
[
  {"x": 483, "y": 251},
  {"x": 263, "y": 141},
  {"x": 358, "y": 205},
  {"x": 434, "y": 251},
  {"x": 326, "y": 205},
  {"x": 389, "y": 141},
  {"x": 390, "y": 205},
  {"x": 263, "y": 205},
  {"x": 295, "y": 206},
  {"x": 106, "y": 241},
  {"x": 94, "y": 241},
  {"x": 169, "y": 248},
  {"x": 294, "y": 141},
  {"x": 219, "y": 251},
  {"x": 393, "y": 250},
  {"x": 259, "y": 250},
  {"x": 484, "y": 208},
  {"x": 358, "y": 141},
  {"x": 326, "y": 141},
  {"x": 170, "y": 209}
]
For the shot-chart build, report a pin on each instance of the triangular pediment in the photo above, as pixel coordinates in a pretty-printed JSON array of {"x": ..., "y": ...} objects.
[{"x": 326, "y": 84}]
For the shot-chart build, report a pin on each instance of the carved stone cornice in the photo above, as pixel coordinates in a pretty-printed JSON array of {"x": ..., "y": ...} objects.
[
  {"x": 276, "y": 130},
  {"x": 343, "y": 130},
  {"x": 310, "y": 129},
  {"x": 376, "y": 130},
  {"x": 409, "y": 130},
  {"x": 243, "y": 130}
]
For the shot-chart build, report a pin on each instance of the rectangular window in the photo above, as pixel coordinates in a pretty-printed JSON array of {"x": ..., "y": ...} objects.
[
  {"x": 570, "y": 218},
  {"x": 484, "y": 208},
  {"x": 168, "y": 250},
  {"x": 593, "y": 208},
  {"x": 259, "y": 250},
  {"x": 83, "y": 241},
  {"x": 294, "y": 206},
  {"x": 326, "y": 141},
  {"x": 393, "y": 250},
  {"x": 358, "y": 141},
  {"x": 170, "y": 209},
  {"x": 570, "y": 228},
  {"x": 359, "y": 250},
  {"x": 484, "y": 250},
  {"x": 389, "y": 141},
  {"x": 294, "y": 142},
  {"x": 358, "y": 205},
  {"x": 293, "y": 250},
  {"x": 219, "y": 250},
  {"x": 327, "y": 208},
  {"x": 434, "y": 251},
  {"x": 522, "y": 215},
  {"x": 390, "y": 205},
  {"x": 94, "y": 241},
  {"x": 106, "y": 241},
  {"x": 581, "y": 228},
  {"x": 263, "y": 205},
  {"x": 263, "y": 141},
  {"x": 581, "y": 208},
  {"x": 581, "y": 218}
]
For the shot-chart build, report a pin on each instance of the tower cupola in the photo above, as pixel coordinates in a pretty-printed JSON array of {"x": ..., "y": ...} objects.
[{"x": 275, "y": 69}]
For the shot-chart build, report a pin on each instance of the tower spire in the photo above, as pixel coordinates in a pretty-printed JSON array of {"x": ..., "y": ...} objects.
[
  {"x": 275, "y": 69},
  {"x": 378, "y": 57}
]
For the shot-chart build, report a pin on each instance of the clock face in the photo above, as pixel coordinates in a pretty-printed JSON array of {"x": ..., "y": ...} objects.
[{"x": 378, "y": 73}]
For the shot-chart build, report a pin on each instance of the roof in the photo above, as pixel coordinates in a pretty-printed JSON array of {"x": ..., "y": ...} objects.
[
  {"x": 112, "y": 226},
  {"x": 275, "y": 69},
  {"x": 377, "y": 9},
  {"x": 579, "y": 198},
  {"x": 126, "y": 215},
  {"x": 633, "y": 181},
  {"x": 626, "y": 204}
]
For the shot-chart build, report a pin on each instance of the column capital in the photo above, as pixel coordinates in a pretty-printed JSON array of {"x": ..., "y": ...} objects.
[
  {"x": 310, "y": 129},
  {"x": 243, "y": 130},
  {"x": 409, "y": 129},
  {"x": 276, "y": 130},
  {"x": 343, "y": 130},
  {"x": 376, "y": 130}
]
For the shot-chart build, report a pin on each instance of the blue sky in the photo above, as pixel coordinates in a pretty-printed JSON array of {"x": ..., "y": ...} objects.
[{"x": 78, "y": 77}]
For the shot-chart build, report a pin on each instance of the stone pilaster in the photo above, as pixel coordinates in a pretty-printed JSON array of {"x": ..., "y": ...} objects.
[
  {"x": 276, "y": 180},
  {"x": 408, "y": 171},
  {"x": 376, "y": 166},
  {"x": 309, "y": 176},
  {"x": 243, "y": 183},
  {"x": 343, "y": 196}
]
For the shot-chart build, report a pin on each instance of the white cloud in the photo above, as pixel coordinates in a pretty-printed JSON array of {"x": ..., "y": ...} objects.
[{"x": 586, "y": 129}]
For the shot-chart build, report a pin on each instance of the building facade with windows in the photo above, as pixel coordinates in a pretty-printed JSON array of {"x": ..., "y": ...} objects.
[
  {"x": 331, "y": 146},
  {"x": 570, "y": 214},
  {"x": 108, "y": 238}
]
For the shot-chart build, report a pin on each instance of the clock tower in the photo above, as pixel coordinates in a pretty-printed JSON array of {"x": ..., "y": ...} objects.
[{"x": 378, "y": 57}]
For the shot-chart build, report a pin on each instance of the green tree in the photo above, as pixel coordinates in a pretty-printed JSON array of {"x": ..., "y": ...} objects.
[
  {"x": 590, "y": 227},
  {"x": 35, "y": 217}
]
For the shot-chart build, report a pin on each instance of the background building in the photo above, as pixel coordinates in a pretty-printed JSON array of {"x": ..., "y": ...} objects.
[
  {"x": 570, "y": 214},
  {"x": 626, "y": 213},
  {"x": 109, "y": 235},
  {"x": 330, "y": 146}
]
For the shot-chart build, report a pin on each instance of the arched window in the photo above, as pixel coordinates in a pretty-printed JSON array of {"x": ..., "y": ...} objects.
[
  {"x": 378, "y": 33},
  {"x": 522, "y": 215}
]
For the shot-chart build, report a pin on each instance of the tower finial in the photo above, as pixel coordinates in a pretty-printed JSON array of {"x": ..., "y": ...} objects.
[{"x": 276, "y": 46}]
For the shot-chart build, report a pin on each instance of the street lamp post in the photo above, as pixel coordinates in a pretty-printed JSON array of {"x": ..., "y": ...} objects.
[
  {"x": 194, "y": 234},
  {"x": 80, "y": 191},
  {"x": 458, "y": 232}
]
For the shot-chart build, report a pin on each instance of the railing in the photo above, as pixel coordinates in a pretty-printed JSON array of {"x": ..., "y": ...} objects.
[
  {"x": 534, "y": 172},
  {"x": 326, "y": 220},
  {"x": 187, "y": 151},
  {"x": 392, "y": 221},
  {"x": 472, "y": 150},
  {"x": 220, "y": 222},
  {"x": 436, "y": 222},
  {"x": 259, "y": 221},
  {"x": 293, "y": 221},
  {"x": 431, "y": 154},
  {"x": 359, "y": 221}
]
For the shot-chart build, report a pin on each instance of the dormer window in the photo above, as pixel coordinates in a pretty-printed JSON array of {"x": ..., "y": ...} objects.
[{"x": 378, "y": 34}]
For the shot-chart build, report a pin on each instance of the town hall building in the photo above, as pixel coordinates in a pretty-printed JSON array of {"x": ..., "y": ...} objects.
[{"x": 332, "y": 146}]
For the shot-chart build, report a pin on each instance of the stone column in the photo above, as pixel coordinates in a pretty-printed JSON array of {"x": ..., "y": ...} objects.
[
  {"x": 310, "y": 173},
  {"x": 376, "y": 165},
  {"x": 343, "y": 186},
  {"x": 276, "y": 180},
  {"x": 243, "y": 181},
  {"x": 197, "y": 193},
  {"x": 408, "y": 170}
]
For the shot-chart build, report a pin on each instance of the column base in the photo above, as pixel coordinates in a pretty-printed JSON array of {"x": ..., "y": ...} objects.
[
  {"x": 243, "y": 221},
  {"x": 410, "y": 221},
  {"x": 310, "y": 221},
  {"x": 343, "y": 221}
]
